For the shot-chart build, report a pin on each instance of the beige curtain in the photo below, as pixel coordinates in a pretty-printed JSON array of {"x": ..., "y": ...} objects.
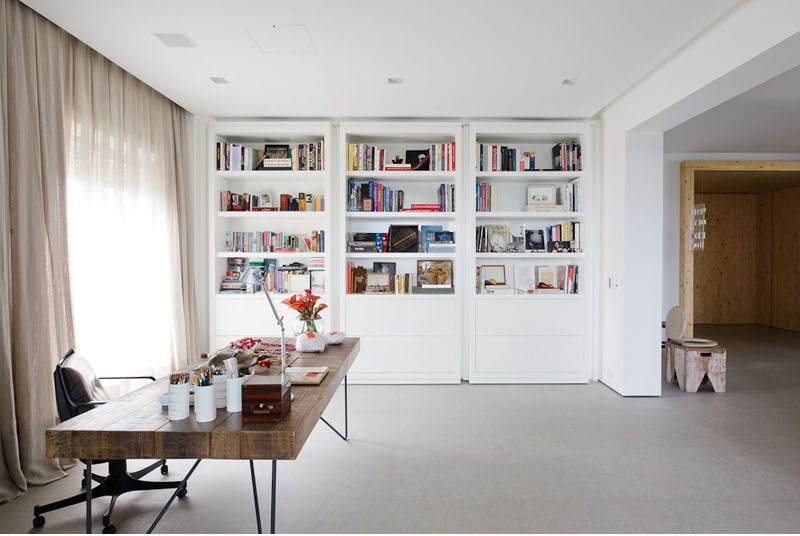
[
  {"x": 35, "y": 322},
  {"x": 129, "y": 252},
  {"x": 83, "y": 141}
]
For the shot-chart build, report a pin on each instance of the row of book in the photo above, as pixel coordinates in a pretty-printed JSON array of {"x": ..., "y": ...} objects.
[
  {"x": 527, "y": 278},
  {"x": 518, "y": 238},
  {"x": 567, "y": 156},
  {"x": 435, "y": 157},
  {"x": 297, "y": 157},
  {"x": 242, "y": 277},
  {"x": 501, "y": 158},
  {"x": 373, "y": 196},
  {"x": 404, "y": 239},
  {"x": 567, "y": 197},
  {"x": 233, "y": 202},
  {"x": 277, "y": 242},
  {"x": 565, "y": 232},
  {"x": 381, "y": 279}
]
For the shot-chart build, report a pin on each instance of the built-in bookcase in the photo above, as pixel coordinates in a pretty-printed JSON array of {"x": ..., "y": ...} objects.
[
  {"x": 412, "y": 337},
  {"x": 516, "y": 332},
  {"x": 233, "y": 316}
]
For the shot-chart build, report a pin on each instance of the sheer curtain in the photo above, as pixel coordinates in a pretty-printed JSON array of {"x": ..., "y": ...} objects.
[{"x": 129, "y": 250}]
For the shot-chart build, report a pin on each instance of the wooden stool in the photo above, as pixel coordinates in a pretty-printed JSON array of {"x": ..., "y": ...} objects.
[{"x": 691, "y": 365}]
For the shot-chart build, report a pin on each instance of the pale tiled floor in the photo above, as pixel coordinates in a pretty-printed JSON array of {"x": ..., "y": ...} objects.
[{"x": 468, "y": 458}]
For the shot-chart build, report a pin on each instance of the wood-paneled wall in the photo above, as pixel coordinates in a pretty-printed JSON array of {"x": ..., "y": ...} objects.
[
  {"x": 749, "y": 271},
  {"x": 725, "y": 282},
  {"x": 778, "y": 268}
]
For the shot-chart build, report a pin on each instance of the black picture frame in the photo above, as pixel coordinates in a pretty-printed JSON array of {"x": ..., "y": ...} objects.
[
  {"x": 403, "y": 238},
  {"x": 416, "y": 157}
]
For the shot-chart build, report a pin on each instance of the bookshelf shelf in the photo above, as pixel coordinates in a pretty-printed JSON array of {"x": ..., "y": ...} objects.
[
  {"x": 405, "y": 338},
  {"x": 405, "y": 176},
  {"x": 420, "y": 255},
  {"x": 416, "y": 215},
  {"x": 529, "y": 256},
  {"x": 527, "y": 215},
  {"x": 231, "y": 315},
  {"x": 275, "y": 215},
  {"x": 529, "y": 176},
  {"x": 521, "y": 337},
  {"x": 277, "y": 175}
]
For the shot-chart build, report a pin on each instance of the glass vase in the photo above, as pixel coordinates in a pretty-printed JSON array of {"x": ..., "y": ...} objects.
[{"x": 307, "y": 325}]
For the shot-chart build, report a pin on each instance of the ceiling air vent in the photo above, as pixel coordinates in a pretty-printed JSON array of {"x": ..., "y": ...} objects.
[
  {"x": 175, "y": 40},
  {"x": 218, "y": 79}
]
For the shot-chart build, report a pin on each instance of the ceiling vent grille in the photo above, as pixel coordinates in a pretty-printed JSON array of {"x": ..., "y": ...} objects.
[{"x": 175, "y": 40}]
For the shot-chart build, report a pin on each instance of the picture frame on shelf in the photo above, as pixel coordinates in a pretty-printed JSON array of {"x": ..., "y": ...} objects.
[
  {"x": 525, "y": 277},
  {"x": 541, "y": 196},
  {"x": 317, "y": 281},
  {"x": 389, "y": 268},
  {"x": 516, "y": 242},
  {"x": 378, "y": 283},
  {"x": 497, "y": 238},
  {"x": 276, "y": 157},
  {"x": 417, "y": 159},
  {"x": 493, "y": 275},
  {"x": 435, "y": 273},
  {"x": 534, "y": 241},
  {"x": 403, "y": 238}
]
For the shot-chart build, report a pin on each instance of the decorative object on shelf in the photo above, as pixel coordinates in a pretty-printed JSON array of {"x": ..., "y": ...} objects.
[
  {"x": 493, "y": 275},
  {"x": 276, "y": 157},
  {"x": 397, "y": 159},
  {"x": 418, "y": 159},
  {"x": 435, "y": 274},
  {"x": 525, "y": 277},
  {"x": 311, "y": 342},
  {"x": 359, "y": 280},
  {"x": 541, "y": 196},
  {"x": 335, "y": 337},
  {"x": 534, "y": 240},
  {"x": 307, "y": 311},
  {"x": 403, "y": 238},
  {"x": 516, "y": 243},
  {"x": 559, "y": 246},
  {"x": 389, "y": 268},
  {"x": 497, "y": 238},
  {"x": 378, "y": 283}
]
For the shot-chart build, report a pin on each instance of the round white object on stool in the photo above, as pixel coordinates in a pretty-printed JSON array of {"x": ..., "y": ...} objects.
[
  {"x": 335, "y": 337},
  {"x": 699, "y": 343}
]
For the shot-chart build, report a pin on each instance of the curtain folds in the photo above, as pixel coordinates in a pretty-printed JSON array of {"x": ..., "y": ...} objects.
[{"x": 82, "y": 141}]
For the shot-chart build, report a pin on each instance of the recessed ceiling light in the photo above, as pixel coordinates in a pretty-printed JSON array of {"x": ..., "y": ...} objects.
[
  {"x": 394, "y": 81},
  {"x": 175, "y": 40},
  {"x": 218, "y": 79},
  {"x": 569, "y": 82}
]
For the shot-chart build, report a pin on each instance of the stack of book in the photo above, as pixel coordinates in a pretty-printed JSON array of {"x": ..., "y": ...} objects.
[
  {"x": 368, "y": 243},
  {"x": 373, "y": 196},
  {"x": 567, "y": 156},
  {"x": 277, "y": 242},
  {"x": 485, "y": 197},
  {"x": 423, "y": 207},
  {"x": 501, "y": 158},
  {"x": 232, "y": 282},
  {"x": 435, "y": 240}
]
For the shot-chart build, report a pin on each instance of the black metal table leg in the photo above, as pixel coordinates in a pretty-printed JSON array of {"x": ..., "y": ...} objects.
[
  {"x": 272, "y": 505},
  {"x": 88, "y": 480},
  {"x": 255, "y": 496},
  {"x": 346, "y": 433},
  {"x": 175, "y": 494}
]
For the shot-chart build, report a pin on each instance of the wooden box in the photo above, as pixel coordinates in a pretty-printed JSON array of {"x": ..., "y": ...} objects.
[{"x": 266, "y": 398}]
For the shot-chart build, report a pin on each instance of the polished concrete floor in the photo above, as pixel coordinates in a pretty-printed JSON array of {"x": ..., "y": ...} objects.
[{"x": 493, "y": 458}]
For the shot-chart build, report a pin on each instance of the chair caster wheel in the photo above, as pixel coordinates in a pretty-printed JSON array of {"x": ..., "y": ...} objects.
[
  {"x": 182, "y": 493},
  {"x": 164, "y": 469},
  {"x": 109, "y": 529},
  {"x": 38, "y": 522}
]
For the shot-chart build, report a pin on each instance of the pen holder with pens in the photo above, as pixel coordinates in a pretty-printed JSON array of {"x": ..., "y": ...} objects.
[
  {"x": 178, "y": 405},
  {"x": 234, "y": 394},
  {"x": 205, "y": 403}
]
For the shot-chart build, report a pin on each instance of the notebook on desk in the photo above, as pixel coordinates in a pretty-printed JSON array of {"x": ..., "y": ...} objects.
[{"x": 306, "y": 375}]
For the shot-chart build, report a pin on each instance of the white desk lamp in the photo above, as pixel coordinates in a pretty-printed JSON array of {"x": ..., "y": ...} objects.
[{"x": 279, "y": 320}]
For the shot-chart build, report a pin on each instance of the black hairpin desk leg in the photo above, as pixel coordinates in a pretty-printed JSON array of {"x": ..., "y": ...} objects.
[
  {"x": 274, "y": 489},
  {"x": 345, "y": 436},
  {"x": 88, "y": 480},
  {"x": 255, "y": 496},
  {"x": 272, "y": 498},
  {"x": 177, "y": 492}
]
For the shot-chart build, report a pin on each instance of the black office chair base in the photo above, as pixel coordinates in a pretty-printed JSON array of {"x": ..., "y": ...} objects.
[{"x": 118, "y": 481}]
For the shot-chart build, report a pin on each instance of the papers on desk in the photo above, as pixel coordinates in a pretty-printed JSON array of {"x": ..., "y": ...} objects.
[{"x": 306, "y": 375}]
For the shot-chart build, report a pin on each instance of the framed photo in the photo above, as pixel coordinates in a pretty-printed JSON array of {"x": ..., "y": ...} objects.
[
  {"x": 435, "y": 274},
  {"x": 317, "y": 281},
  {"x": 276, "y": 157},
  {"x": 493, "y": 275},
  {"x": 516, "y": 235},
  {"x": 378, "y": 283},
  {"x": 415, "y": 157},
  {"x": 542, "y": 195},
  {"x": 389, "y": 268},
  {"x": 403, "y": 238},
  {"x": 534, "y": 240},
  {"x": 497, "y": 238}
]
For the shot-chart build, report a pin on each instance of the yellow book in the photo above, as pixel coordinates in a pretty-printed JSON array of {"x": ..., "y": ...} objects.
[{"x": 350, "y": 157}]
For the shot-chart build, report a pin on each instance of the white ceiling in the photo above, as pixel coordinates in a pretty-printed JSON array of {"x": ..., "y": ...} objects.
[
  {"x": 458, "y": 58},
  {"x": 765, "y": 119}
]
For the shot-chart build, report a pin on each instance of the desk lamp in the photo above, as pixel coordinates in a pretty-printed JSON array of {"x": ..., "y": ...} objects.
[{"x": 279, "y": 320}]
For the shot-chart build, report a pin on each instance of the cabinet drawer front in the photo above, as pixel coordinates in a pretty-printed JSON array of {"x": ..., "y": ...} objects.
[
  {"x": 401, "y": 317},
  {"x": 531, "y": 354},
  {"x": 529, "y": 317},
  {"x": 419, "y": 354}
]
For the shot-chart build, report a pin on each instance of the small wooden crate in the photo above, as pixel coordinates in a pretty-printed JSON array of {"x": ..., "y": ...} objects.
[{"x": 266, "y": 398}]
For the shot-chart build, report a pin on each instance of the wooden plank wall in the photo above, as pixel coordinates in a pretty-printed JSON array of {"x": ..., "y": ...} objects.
[
  {"x": 725, "y": 271},
  {"x": 779, "y": 259}
]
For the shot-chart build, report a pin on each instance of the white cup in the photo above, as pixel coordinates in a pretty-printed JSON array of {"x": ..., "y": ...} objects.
[
  {"x": 220, "y": 387},
  {"x": 235, "y": 394},
  {"x": 178, "y": 401},
  {"x": 205, "y": 408}
]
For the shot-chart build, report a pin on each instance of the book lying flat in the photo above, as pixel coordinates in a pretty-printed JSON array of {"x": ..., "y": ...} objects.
[{"x": 306, "y": 375}]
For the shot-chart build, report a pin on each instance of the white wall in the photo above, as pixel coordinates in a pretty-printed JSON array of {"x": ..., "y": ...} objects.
[
  {"x": 672, "y": 188},
  {"x": 717, "y": 65}
]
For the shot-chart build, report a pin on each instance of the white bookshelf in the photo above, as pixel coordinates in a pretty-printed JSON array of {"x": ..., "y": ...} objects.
[
  {"x": 405, "y": 338},
  {"x": 529, "y": 338},
  {"x": 233, "y": 316}
]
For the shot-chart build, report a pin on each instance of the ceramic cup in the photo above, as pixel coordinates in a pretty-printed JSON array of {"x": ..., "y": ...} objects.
[
  {"x": 234, "y": 397},
  {"x": 178, "y": 402},
  {"x": 205, "y": 407},
  {"x": 220, "y": 387}
]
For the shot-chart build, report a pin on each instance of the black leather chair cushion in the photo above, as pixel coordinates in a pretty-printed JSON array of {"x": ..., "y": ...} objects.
[{"x": 81, "y": 382}]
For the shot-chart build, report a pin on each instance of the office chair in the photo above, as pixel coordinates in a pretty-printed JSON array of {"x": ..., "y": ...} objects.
[{"x": 78, "y": 390}]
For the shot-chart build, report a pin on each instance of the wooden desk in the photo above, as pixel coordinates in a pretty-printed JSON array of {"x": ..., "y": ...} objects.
[{"x": 136, "y": 426}]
